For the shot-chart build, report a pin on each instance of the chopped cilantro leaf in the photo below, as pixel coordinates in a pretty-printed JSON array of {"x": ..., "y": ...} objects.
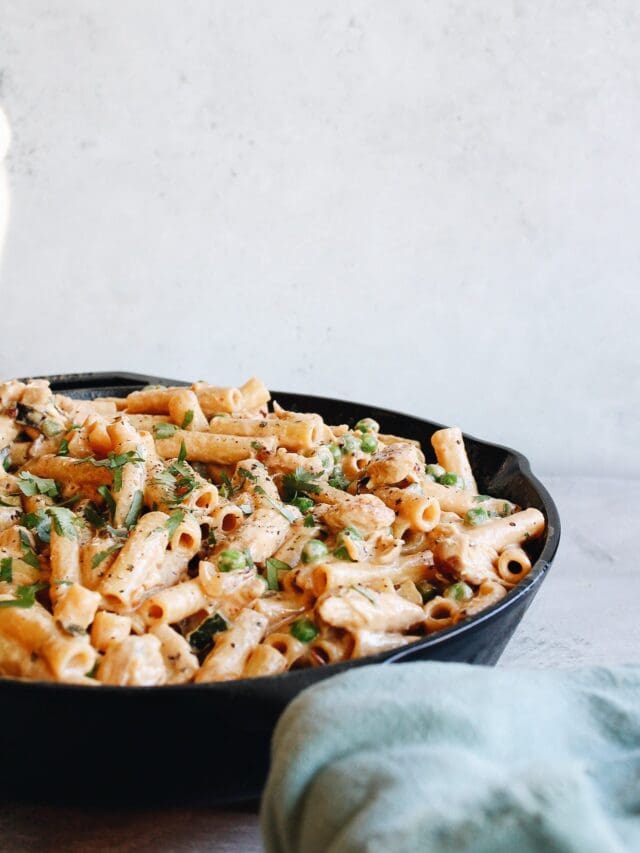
[
  {"x": 175, "y": 520},
  {"x": 6, "y": 569},
  {"x": 104, "y": 492},
  {"x": 273, "y": 567},
  {"x": 40, "y": 523},
  {"x": 92, "y": 515},
  {"x": 188, "y": 419},
  {"x": 164, "y": 430},
  {"x": 183, "y": 451},
  {"x": 63, "y": 521},
  {"x": 102, "y": 555},
  {"x": 284, "y": 512},
  {"x": 31, "y": 485},
  {"x": 28, "y": 555},
  {"x": 63, "y": 450},
  {"x": 298, "y": 482},
  {"x": 134, "y": 509},
  {"x": 25, "y": 596}
]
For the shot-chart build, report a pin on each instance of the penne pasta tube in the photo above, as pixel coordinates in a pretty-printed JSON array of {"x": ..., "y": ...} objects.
[
  {"x": 204, "y": 498},
  {"x": 255, "y": 394},
  {"x": 175, "y": 603},
  {"x": 489, "y": 592},
  {"x": 153, "y": 400},
  {"x": 298, "y": 435},
  {"x": 33, "y": 629},
  {"x": 326, "y": 650},
  {"x": 373, "y": 642},
  {"x": 287, "y": 645},
  {"x": 180, "y": 662},
  {"x": 261, "y": 534},
  {"x": 65, "y": 563},
  {"x": 186, "y": 537},
  {"x": 264, "y": 660},
  {"x": 135, "y": 569},
  {"x": 232, "y": 648},
  {"x": 498, "y": 533},
  {"x": 226, "y": 517},
  {"x": 68, "y": 470},
  {"x": 76, "y": 608},
  {"x": 147, "y": 422},
  {"x": 185, "y": 411},
  {"x": 332, "y": 575},
  {"x": 422, "y": 512},
  {"x": 364, "y": 608},
  {"x": 208, "y": 447},
  {"x": 440, "y": 613},
  {"x": 109, "y": 628},
  {"x": 129, "y": 487},
  {"x": 214, "y": 399},
  {"x": 451, "y": 454},
  {"x": 513, "y": 564},
  {"x": 134, "y": 661}
]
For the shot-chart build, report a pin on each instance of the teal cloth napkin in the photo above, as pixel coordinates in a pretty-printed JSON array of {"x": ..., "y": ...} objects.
[{"x": 434, "y": 757}]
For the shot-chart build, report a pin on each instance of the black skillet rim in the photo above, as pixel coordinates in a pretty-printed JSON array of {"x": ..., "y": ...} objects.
[{"x": 87, "y": 381}]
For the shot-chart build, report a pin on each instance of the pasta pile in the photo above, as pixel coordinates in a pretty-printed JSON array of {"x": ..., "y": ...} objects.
[{"x": 189, "y": 534}]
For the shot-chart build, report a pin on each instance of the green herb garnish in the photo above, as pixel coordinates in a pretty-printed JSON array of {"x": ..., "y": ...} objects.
[
  {"x": 164, "y": 430},
  {"x": 6, "y": 569},
  {"x": 104, "y": 492},
  {"x": 201, "y": 639},
  {"x": 175, "y": 520},
  {"x": 64, "y": 521},
  {"x": 273, "y": 567},
  {"x": 134, "y": 510},
  {"x": 188, "y": 419},
  {"x": 102, "y": 555},
  {"x": 25, "y": 596},
  {"x": 28, "y": 555},
  {"x": 299, "y": 482},
  {"x": 31, "y": 485}
]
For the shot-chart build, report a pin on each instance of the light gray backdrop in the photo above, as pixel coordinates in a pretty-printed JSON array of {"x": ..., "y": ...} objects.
[{"x": 430, "y": 206}]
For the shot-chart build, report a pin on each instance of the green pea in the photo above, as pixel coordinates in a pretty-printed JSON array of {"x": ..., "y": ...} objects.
[
  {"x": 313, "y": 551},
  {"x": 304, "y": 630},
  {"x": 460, "y": 591},
  {"x": 350, "y": 444},
  {"x": 477, "y": 515},
  {"x": 335, "y": 452},
  {"x": 451, "y": 479},
  {"x": 427, "y": 590},
  {"x": 369, "y": 443},
  {"x": 303, "y": 504},
  {"x": 232, "y": 561},
  {"x": 326, "y": 457},
  {"x": 435, "y": 471},
  {"x": 367, "y": 425}
]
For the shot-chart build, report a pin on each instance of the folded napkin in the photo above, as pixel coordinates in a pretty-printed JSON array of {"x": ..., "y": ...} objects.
[{"x": 435, "y": 757}]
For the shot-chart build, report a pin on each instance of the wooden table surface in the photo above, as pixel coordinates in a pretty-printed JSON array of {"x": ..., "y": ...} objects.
[{"x": 584, "y": 613}]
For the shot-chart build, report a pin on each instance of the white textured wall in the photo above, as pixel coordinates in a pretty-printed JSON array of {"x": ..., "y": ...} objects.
[{"x": 431, "y": 206}]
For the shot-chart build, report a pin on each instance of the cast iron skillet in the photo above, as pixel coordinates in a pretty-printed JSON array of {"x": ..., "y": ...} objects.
[{"x": 213, "y": 739}]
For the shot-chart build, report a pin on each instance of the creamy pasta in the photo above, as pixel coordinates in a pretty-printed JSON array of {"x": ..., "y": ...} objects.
[{"x": 193, "y": 534}]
